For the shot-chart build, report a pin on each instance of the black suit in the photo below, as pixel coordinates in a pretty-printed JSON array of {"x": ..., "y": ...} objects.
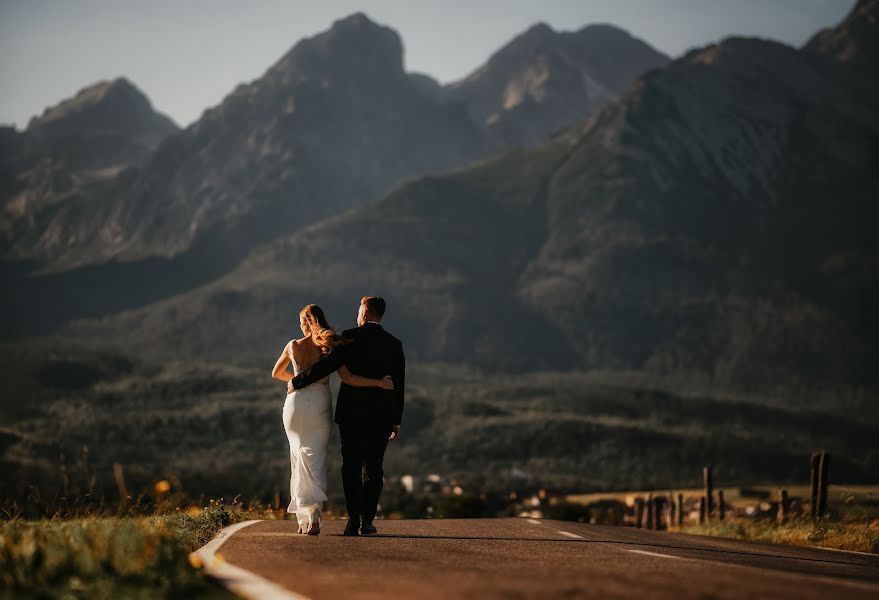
[{"x": 365, "y": 415}]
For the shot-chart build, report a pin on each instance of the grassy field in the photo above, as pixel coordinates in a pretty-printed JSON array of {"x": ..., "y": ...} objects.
[
  {"x": 114, "y": 557},
  {"x": 69, "y": 415},
  {"x": 858, "y": 537}
]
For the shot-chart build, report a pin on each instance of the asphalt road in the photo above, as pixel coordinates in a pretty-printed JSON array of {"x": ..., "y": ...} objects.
[{"x": 526, "y": 558}]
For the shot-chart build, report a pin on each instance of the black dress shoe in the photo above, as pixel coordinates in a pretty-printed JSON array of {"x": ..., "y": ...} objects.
[
  {"x": 368, "y": 528},
  {"x": 352, "y": 527}
]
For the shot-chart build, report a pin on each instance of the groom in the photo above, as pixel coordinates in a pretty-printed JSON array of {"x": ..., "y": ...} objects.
[{"x": 368, "y": 417}]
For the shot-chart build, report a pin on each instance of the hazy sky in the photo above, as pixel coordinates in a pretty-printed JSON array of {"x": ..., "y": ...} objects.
[{"x": 187, "y": 54}]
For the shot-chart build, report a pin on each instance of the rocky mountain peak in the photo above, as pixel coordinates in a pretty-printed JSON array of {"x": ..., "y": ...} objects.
[
  {"x": 735, "y": 50},
  {"x": 604, "y": 32},
  {"x": 353, "y": 47},
  {"x": 119, "y": 92},
  {"x": 538, "y": 38},
  {"x": 115, "y": 105},
  {"x": 855, "y": 40},
  {"x": 539, "y": 32},
  {"x": 544, "y": 79}
]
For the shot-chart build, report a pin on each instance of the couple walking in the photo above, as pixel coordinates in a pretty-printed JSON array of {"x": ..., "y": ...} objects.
[{"x": 369, "y": 409}]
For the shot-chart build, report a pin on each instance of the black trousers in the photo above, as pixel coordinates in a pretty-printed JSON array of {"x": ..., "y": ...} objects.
[{"x": 363, "y": 452}]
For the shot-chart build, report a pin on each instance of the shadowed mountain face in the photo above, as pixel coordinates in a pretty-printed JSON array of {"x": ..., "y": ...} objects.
[
  {"x": 721, "y": 217},
  {"x": 445, "y": 251},
  {"x": 543, "y": 80},
  {"x": 71, "y": 153},
  {"x": 718, "y": 218}
]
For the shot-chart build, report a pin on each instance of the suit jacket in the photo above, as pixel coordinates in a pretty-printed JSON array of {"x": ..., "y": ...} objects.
[{"x": 372, "y": 352}]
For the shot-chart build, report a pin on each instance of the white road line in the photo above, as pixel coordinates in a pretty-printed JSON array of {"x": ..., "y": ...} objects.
[
  {"x": 856, "y": 552},
  {"x": 823, "y": 578},
  {"x": 654, "y": 554},
  {"x": 572, "y": 535},
  {"x": 534, "y": 521},
  {"x": 241, "y": 581}
]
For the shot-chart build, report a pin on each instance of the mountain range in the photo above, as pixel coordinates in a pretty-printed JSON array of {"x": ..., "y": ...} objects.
[
  {"x": 334, "y": 124},
  {"x": 717, "y": 217}
]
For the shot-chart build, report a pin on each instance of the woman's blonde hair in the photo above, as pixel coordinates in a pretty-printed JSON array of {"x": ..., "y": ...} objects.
[{"x": 323, "y": 336}]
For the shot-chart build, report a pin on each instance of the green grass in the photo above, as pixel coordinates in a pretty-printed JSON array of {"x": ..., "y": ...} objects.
[
  {"x": 66, "y": 417},
  {"x": 113, "y": 557},
  {"x": 860, "y": 537}
]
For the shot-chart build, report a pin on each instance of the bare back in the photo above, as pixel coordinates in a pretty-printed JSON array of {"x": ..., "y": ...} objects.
[{"x": 305, "y": 352}]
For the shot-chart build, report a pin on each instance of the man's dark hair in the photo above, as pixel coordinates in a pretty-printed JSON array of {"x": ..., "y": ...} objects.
[{"x": 375, "y": 305}]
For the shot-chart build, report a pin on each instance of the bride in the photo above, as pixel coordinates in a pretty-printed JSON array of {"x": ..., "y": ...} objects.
[{"x": 307, "y": 417}]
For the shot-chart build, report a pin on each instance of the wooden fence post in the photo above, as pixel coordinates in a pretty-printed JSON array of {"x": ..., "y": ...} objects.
[
  {"x": 814, "y": 461},
  {"x": 782, "y": 506},
  {"x": 659, "y": 510},
  {"x": 702, "y": 510},
  {"x": 124, "y": 496},
  {"x": 651, "y": 513},
  {"x": 823, "y": 474},
  {"x": 680, "y": 510},
  {"x": 720, "y": 505},
  {"x": 670, "y": 511},
  {"x": 639, "y": 513},
  {"x": 709, "y": 491}
]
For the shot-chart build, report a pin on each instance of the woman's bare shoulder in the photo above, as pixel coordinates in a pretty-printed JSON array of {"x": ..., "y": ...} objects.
[
  {"x": 294, "y": 345},
  {"x": 300, "y": 345}
]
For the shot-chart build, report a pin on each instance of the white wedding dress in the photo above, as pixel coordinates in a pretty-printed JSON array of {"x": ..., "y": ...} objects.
[{"x": 308, "y": 422}]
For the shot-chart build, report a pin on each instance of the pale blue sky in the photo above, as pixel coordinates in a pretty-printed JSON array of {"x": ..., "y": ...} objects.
[{"x": 186, "y": 55}]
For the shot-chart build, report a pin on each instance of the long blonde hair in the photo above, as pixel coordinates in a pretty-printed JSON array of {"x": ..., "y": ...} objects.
[{"x": 323, "y": 336}]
